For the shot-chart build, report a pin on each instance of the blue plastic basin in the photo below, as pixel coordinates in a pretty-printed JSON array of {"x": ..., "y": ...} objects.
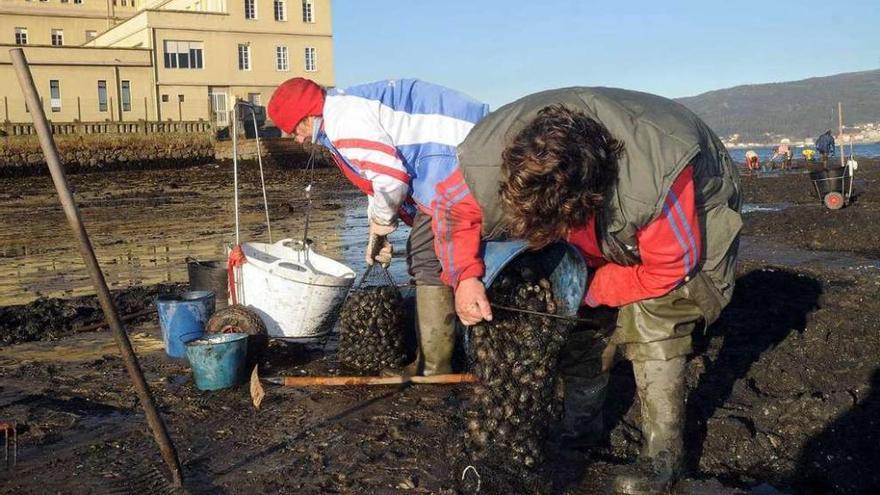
[
  {"x": 182, "y": 318},
  {"x": 564, "y": 263}
]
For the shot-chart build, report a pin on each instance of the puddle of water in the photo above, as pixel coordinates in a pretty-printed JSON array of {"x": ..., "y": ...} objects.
[
  {"x": 353, "y": 240},
  {"x": 140, "y": 244},
  {"x": 146, "y": 243},
  {"x": 773, "y": 173},
  {"x": 757, "y": 207},
  {"x": 755, "y": 249},
  {"x": 79, "y": 348}
]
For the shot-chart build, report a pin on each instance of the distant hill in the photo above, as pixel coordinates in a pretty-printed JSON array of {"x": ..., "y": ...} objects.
[{"x": 798, "y": 109}]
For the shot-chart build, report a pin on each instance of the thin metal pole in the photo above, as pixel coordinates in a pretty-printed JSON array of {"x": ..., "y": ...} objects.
[
  {"x": 840, "y": 132},
  {"x": 47, "y": 143},
  {"x": 235, "y": 165},
  {"x": 262, "y": 180}
]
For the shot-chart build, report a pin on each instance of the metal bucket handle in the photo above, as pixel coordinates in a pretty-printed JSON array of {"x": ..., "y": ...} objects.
[{"x": 385, "y": 272}]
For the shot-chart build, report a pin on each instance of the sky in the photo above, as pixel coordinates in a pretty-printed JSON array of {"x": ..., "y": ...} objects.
[{"x": 497, "y": 51}]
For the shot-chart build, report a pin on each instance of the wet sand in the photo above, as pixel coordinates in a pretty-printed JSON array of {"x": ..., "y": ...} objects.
[{"x": 785, "y": 388}]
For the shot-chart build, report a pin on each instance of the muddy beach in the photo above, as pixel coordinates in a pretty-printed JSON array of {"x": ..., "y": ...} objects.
[{"x": 784, "y": 391}]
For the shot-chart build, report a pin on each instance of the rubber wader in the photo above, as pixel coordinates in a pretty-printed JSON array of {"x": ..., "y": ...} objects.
[
  {"x": 660, "y": 385},
  {"x": 435, "y": 321}
]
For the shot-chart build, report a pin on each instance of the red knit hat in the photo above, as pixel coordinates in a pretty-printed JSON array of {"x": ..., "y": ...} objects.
[{"x": 294, "y": 100}]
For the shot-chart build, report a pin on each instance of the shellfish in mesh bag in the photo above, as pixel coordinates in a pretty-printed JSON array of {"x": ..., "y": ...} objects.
[
  {"x": 516, "y": 398},
  {"x": 371, "y": 327}
]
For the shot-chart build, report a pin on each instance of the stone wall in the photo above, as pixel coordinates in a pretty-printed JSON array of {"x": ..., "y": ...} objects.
[
  {"x": 21, "y": 155},
  {"x": 280, "y": 152}
]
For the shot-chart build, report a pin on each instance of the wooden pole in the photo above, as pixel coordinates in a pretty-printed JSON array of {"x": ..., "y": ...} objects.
[
  {"x": 339, "y": 381},
  {"x": 71, "y": 211}
]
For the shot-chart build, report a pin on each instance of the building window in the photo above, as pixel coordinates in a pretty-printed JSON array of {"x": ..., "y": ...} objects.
[
  {"x": 280, "y": 10},
  {"x": 57, "y": 37},
  {"x": 281, "y": 59},
  {"x": 126, "y": 96},
  {"x": 244, "y": 57},
  {"x": 183, "y": 54},
  {"x": 250, "y": 9},
  {"x": 311, "y": 60},
  {"x": 255, "y": 99},
  {"x": 308, "y": 11},
  {"x": 164, "y": 98},
  {"x": 78, "y": 2},
  {"x": 102, "y": 96},
  {"x": 21, "y": 36},
  {"x": 90, "y": 35},
  {"x": 55, "y": 95}
]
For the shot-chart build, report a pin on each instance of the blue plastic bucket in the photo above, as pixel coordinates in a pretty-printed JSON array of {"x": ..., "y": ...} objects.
[
  {"x": 564, "y": 263},
  {"x": 182, "y": 318},
  {"x": 218, "y": 360}
]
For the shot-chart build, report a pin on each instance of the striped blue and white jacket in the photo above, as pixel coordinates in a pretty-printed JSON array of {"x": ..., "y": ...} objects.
[{"x": 396, "y": 140}]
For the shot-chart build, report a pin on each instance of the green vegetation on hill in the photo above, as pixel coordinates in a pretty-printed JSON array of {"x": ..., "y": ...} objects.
[{"x": 796, "y": 109}]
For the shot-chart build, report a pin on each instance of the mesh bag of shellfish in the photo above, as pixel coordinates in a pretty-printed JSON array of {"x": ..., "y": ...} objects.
[
  {"x": 516, "y": 398},
  {"x": 371, "y": 325}
]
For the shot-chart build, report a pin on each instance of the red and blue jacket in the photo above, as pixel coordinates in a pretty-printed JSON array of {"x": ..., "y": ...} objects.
[
  {"x": 396, "y": 141},
  {"x": 670, "y": 248}
]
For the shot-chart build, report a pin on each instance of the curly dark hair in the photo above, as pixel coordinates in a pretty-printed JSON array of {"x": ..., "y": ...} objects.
[{"x": 556, "y": 173}]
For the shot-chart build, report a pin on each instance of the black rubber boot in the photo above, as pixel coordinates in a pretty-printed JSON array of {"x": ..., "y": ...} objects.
[
  {"x": 583, "y": 424},
  {"x": 660, "y": 385}
]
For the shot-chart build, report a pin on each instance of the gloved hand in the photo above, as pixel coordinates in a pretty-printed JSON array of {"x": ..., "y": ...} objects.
[{"x": 378, "y": 246}]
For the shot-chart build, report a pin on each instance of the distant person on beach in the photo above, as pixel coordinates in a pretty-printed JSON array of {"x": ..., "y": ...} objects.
[
  {"x": 396, "y": 141},
  {"x": 809, "y": 154},
  {"x": 783, "y": 152},
  {"x": 752, "y": 160},
  {"x": 825, "y": 147}
]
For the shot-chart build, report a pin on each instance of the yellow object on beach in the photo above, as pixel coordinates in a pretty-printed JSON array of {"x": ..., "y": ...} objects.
[{"x": 808, "y": 153}]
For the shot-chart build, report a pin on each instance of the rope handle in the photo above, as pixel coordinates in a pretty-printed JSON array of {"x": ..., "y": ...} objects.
[{"x": 592, "y": 325}]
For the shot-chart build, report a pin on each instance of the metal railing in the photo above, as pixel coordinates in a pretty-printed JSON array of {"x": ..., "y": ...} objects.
[{"x": 137, "y": 127}]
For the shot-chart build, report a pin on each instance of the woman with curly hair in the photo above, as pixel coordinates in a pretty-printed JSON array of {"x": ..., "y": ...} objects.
[{"x": 650, "y": 197}]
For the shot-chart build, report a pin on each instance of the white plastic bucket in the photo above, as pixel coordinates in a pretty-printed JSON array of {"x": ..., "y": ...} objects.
[{"x": 296, "y": 291}]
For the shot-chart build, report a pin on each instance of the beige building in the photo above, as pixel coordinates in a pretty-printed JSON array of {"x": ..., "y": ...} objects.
[{"x": 128, "y": 60}]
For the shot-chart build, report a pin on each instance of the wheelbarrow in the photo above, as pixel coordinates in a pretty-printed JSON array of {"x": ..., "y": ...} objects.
[{"x": 834, "y": 186}]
